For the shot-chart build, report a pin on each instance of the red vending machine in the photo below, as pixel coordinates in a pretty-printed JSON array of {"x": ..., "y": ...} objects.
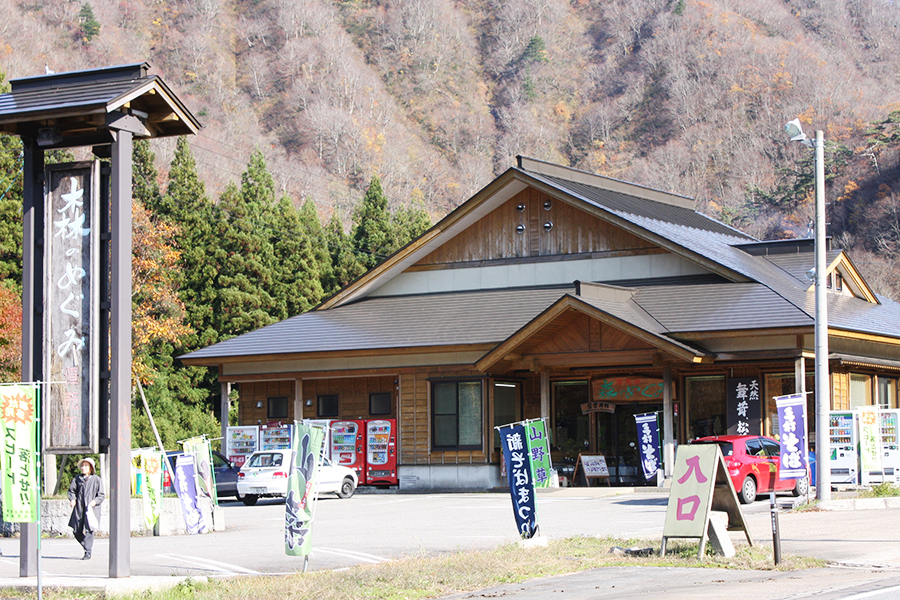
[
  {"x": 347, "y": 445},
  {"x": 381, "y": 452}
]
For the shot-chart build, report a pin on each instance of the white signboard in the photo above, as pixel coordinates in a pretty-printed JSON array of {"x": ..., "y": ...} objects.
[{"x": 594, "y": 465}]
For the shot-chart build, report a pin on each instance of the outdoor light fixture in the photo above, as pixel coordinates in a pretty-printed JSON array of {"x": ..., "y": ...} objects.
[
  {"x": 48, "y": 136},
  {"x": 309, "y": 401},
  {"x": 520, "y": 229},
  {"x": 823, "y": 390},
  {"x": 259, "y": 404},
  {"x": 548, "y": 225}
]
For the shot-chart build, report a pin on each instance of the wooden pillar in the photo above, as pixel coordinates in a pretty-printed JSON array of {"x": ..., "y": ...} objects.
[
  {"x": 120, "y": 358},
  {"x": 668, "y": 424},
  {"x": 32, "y": 303},
  {"x": 224, "y": 409},
  {"x": 545, "y": 396}
]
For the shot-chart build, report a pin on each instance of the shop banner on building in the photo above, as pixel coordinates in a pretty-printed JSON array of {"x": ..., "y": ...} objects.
[
  {"x": 151, "y": 490},
  {"x": 299, "y": 504},
  {"x": 648, "y": 436},
  {"x": 792, "y": 436},
  {"x": 742, "y": 406},
  {"x": 869, "y": 440},
  {"x": 71, "y": 307},
  {"x": 19, "y": 418},
  {"x": 538, "y": 452},
  {"x": 186, "y": 487},
  {"x": 199, "y": 448},
  {"x": 521, "y": 486}
]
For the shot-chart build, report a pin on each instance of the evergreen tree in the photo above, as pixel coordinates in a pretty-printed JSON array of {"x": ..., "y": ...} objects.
[
  {"x": 373, "y": 236},
  {"x": 345, "y": 267},
  {"x": 145, "y": 177},
  {"x": 312, "y": 226},
  {"x": 11, "y": 209},
  {"x": 297, "y": 286},
  {"x": 409, "y": 222},
  {"x": 90, "y": 26}
]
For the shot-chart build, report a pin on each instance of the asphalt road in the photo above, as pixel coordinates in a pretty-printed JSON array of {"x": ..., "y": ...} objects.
[{"x": 371, "y": 528}]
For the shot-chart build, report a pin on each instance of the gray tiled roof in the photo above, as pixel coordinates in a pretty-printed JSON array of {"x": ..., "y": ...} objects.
[{"x": 396, "y": 322}]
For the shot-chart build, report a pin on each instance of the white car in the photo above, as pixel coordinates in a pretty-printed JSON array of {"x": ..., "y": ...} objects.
[{"x": 266, "y": 474}]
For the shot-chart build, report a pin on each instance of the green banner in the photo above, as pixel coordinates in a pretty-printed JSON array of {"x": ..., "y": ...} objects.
[
  {"x": 151, "y": 490},
  {"x": 301, "y": 494},
  {"x": 18, "y": 419},
  {"x": 538, "y": 452},
  {"x": 869, "y": 446},
  {"x": 206, "y": 478}
]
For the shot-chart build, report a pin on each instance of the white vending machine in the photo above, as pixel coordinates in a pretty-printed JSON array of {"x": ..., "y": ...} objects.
[
  {"x": 890, "y": 449},
  {"x": 842, "y": 434}
]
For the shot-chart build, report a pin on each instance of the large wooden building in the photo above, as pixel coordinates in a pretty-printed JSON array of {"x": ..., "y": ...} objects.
[{"x": 561, "y": 294}]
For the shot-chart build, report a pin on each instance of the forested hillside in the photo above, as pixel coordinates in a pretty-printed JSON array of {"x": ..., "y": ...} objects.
[{"x": 345, "y": 122}]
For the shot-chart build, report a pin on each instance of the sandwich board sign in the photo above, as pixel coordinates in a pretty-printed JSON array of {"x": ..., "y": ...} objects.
[{"x": 700, "y": 484}]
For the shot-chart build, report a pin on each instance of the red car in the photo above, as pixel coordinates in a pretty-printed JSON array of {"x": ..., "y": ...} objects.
[{"x": 753, "y": 462}]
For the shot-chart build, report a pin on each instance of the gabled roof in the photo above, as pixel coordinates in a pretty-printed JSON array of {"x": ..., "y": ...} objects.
[
  {"x": 77, "y": 103},
  {"x": 750, "y": 286}
]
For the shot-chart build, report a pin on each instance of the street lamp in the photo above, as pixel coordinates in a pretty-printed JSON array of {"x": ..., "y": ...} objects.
[{"x": 823, "y": 389}]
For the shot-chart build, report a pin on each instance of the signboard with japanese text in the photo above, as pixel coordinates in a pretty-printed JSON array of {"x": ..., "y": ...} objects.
[
  {"x": 71, "y": 308},
  {"x": 792, "y": 437},
  {"x": 521, "y": 486},
  {"x": 538, "y": 452},
  {"x": 18, "y": 419},
  {"x": 594, "y": 465},
  {"x": 743, "y": 406},
  {"x": 648, "y": 439},
  {"x": 869, "y": 440},
  {"x": 151, "y": 490},
  {"x": 186, "y": 488},
  {"x": 700, "y": 483},
  {"x": 302, "y": 481},
  {"x": 626, "y": 388}
]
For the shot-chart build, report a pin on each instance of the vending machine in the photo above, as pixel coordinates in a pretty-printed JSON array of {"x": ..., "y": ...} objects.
[
  {"x": 274, "y": 437},
  {"x": 241, "y": 442},
  {"x": 381, "y": 452},
  {"x": 842, "y": 434},
  {"x": 347, "y": 445},
  {"x": 890, "y": 448}
]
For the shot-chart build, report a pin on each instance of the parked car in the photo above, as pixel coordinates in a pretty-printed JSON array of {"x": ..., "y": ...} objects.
[
  {"x": 226, "y": 473},
  {"x": 266, "y": 474},
  {"x": 753, "y": 463}
]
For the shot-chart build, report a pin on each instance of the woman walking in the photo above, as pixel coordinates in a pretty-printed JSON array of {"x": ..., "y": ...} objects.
[{"x": 85, "y": 496}]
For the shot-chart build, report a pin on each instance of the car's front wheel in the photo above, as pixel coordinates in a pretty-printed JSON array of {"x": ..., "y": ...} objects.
[
  {"x": 347, "y": 488},
  {"x": 250, "y": 499},
  {"x": 748, "y": 490},
  {"x": 801, "y": 488}
]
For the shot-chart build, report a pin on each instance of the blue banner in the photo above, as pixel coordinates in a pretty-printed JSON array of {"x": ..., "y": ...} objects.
[
  {"x": 186, "y": 488},
  {"x": 792, "y": 434},
  {"x": 648, "y": 437},
  {"x": 518, "y": 471}
]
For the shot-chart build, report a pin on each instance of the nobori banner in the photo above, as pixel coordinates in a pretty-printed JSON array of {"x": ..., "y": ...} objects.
[
  {"x": 71, "y": 307},
  {"x": 521, "y": 486},
  {"x": 792, "y": 435}
]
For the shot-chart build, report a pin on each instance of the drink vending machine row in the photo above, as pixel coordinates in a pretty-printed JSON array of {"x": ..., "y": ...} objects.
[
  {"x": 888, "y": 467},
  {"x": 844, "y": 436},
  {"x": 368, "y": 446}
]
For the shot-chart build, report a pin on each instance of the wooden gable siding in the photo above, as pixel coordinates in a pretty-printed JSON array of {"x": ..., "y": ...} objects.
[
  {"x": 353, "y": 395},
  {"x": 253, "y": 393},
  {"x": 573, "y": 232},
  {"x": 577, "y": 332}
]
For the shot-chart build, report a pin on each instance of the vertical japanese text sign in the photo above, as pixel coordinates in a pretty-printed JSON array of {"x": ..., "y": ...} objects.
[
  {"x": 687, "y": 514},
  {"x": 743, "y": 406},
  {"x": 521, "y": 487},
  {"x": 792, "y": 428},
  {"x": 869, "y": 440},
  {"x": 306, "y": 443},
  {"x": 648, "y": 436},
  {"x": 538, "y": 453},
  {"x": 71, "y": 263},
  {"x": 21, "y": 490}
]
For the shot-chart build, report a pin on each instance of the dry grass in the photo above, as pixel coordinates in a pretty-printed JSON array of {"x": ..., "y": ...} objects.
[{"x": 420, "y": 577}]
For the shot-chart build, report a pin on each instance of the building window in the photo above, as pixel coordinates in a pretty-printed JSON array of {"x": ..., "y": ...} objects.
[
  {"x": 380, "y": 403},
  {"x": 457, "y": 415},
  {"x": 706, "y": 406},
  {"x": 277, "y": 408},
  {"x": 506, "y": 406},
  {"x": 887, "y": 392},
  {"x": 860, "y": 390},
  {"x": 328, "y": 406}
]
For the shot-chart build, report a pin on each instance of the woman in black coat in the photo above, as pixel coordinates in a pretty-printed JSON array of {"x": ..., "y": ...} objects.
[{"x": 85, "y": 494}]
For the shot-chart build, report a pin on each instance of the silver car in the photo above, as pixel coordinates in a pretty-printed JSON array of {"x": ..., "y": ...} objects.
[{"x": 265, "y": 474}]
